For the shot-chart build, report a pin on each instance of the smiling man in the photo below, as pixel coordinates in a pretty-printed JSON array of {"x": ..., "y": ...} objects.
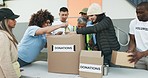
[
  {"x": 139, "y": 37},
  {"x": 63, "y": 14}
]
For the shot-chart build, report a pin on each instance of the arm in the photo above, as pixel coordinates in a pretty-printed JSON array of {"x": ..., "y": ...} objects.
[
  {"x": 5, "y": 58},
  {"x": 132, "y": 44},
  {"x": 138, "y": 55},
  {"x": 49, "y": 29},
  {"x": 105, "y": 23}
]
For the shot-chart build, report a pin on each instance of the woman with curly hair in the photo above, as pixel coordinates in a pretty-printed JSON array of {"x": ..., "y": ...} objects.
[{"x": 34, "y": 39}]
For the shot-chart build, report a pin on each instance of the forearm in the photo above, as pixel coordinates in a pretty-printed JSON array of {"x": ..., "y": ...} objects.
[
  {"x": 51, "y": 28},
  {"x": 86, "y": 30},
  {"x": 145, "y": 53},
  {"x": 131, "y": 47},
  {"x": 47, "y": 29},
  {"x": 104, "y": 24},
  {"x": 132, "y": 44}
]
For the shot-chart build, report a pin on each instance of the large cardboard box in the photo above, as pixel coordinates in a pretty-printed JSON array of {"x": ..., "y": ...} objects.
[
  {"x": 91, "y": 64},
  {"x": 121, "y": 58},
  {"x": 64, "y": 52}
]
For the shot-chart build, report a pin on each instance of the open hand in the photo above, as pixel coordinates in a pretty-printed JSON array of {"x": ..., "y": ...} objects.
[{"x": 135, "y": 56}]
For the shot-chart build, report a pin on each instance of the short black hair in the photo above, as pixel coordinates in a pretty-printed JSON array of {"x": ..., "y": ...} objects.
[
  {"x": 145, "y": 4},
  {"x": 64, "y": 9}
]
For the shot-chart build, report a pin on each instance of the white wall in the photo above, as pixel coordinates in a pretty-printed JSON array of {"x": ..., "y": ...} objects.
[
  {"x": 118, "y": 9},
  {"x": 25, "y": 8}
]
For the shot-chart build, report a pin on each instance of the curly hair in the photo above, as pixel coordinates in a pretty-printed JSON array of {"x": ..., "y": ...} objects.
[{"x": 40, "y": 18}]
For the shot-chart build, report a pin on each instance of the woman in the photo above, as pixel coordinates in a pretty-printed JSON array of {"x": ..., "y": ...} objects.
[
  {"x": 34, "y": 39},
  {"x": 9, "y": 67},
  {"x": 104, "y": 32}
]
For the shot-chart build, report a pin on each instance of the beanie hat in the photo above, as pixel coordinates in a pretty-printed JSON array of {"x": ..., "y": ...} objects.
[
  {"x": 84, "y": 10},
  {"x": 94, "y": 9}
]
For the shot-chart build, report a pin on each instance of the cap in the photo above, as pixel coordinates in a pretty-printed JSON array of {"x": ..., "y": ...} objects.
[
  {"x": 84, "y": 10},
  {"x": 6, "y": 13}
]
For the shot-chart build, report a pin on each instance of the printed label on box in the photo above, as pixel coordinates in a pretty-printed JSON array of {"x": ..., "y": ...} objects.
[
  {"x": 63, "y": 48},
  {"x": 90, "y": 68}
]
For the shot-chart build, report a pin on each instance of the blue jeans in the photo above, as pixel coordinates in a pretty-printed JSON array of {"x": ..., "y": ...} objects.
[{"x": 22, "y": 63}]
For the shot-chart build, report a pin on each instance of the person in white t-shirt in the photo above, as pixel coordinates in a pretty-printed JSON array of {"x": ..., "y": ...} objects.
[
  {"x": 63, "y": 13},
  {"x": 139, "y": 37}
]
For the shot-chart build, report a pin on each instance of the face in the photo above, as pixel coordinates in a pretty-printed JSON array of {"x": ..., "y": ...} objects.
[
  {"x": 81, "y": 25},
  {"x": 63, "y": 16},
  {"x": 84, "y": 15},
  {"x": 92, "y": 18},
  {"x": 142, "y": 13},
  {"x": 11, "y": 23},
  {"x": 46, "y": 23}
]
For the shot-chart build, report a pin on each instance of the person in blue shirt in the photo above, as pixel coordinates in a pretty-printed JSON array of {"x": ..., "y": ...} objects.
[{"x": 34, "y": 39}]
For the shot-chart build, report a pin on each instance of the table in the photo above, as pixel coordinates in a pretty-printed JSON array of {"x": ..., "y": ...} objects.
[{"x": 39, "y": 69}]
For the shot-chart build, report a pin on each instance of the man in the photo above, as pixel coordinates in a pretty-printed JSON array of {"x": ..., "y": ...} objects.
[
  {"x": 138, "y": 37},
  {"x": 63, "y": 13},
  {"x": 104, "y": 31},
  {"x": 83, "y": 13},
  {"x": 81, "y": 22},
  {"x": 90, "y": 38}
]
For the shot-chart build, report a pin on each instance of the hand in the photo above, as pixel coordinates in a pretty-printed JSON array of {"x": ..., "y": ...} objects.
[
  {"x": 129, "y": 51},
  {"x": 70, "y": 33},
  {"x": 135, "y": 56},
  {"x": 64, "y": 25},
  {"x": 59, "y": 33},
  {"x": 90, "y": 42},
  {"x": 95, "y": 48}
]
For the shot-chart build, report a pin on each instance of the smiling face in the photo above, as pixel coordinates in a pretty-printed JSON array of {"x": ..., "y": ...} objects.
[
  {"x": 142, "y": 13},
  {"x": 92, "y": 18},
  {"x": 46, "y": 23},
  {"x": 63, "y": 16}
]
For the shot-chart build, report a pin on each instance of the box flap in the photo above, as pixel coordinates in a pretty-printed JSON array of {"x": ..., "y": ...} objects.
[
  {"x": 114, "y": 56},
  {"x": 96, "y": 54}
]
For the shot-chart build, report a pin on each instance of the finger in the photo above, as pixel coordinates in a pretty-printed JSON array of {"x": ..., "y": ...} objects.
[
  {"x": 136, "y": 61},
  {"x": 131, "y": 60},
  {"x": 130, "y": 55}
]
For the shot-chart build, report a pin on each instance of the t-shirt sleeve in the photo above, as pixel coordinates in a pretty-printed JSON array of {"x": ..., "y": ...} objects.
[
  {"x": 32, "y": 30},
  {"x": 131, "y": 27}
]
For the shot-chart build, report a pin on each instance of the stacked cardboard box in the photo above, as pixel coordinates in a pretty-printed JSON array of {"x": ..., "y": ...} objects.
[{"x": 91, "y": 64}]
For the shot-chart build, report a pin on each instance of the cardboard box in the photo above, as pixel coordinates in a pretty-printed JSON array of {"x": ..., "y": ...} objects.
[
  {"x": 91, "y": 64},
  {"x": 64, "y": 52},
  {"x": 121, "y": 58}
]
